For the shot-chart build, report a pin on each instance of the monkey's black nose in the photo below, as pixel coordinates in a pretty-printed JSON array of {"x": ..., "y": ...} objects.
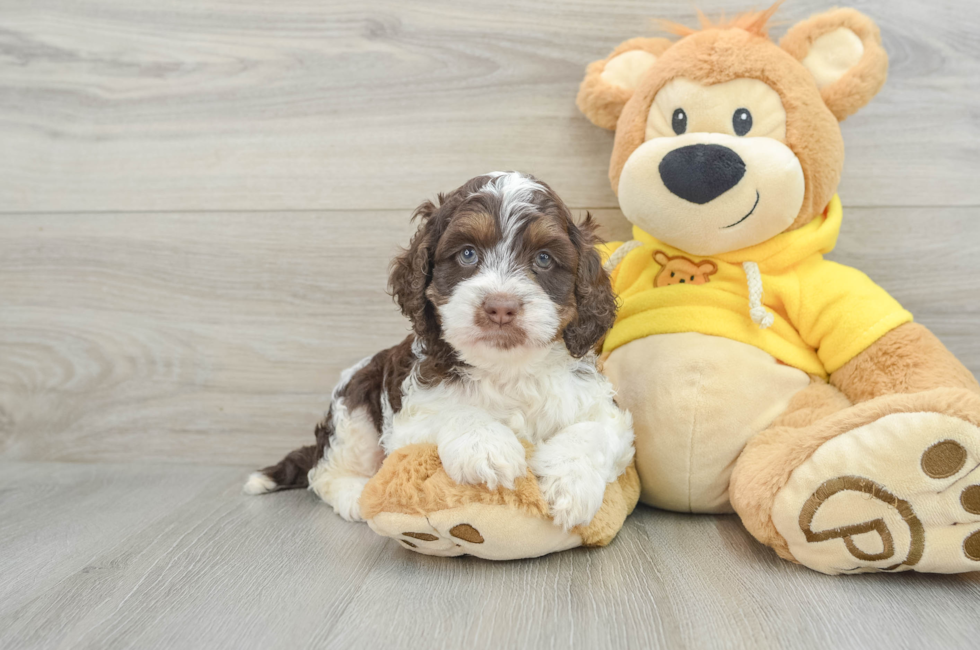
[{"x": 701, "y": 172}]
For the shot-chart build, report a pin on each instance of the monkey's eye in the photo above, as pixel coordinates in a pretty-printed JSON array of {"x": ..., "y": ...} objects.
[
  {"x": 543, "y": 260},
  {"x": 671, "y": 274},
  {"x": 692, "y": 278},
  {"x": 742, "y": 121},
  {"x": 468, "y": 256},
  {"x": 679, "y": 121}
]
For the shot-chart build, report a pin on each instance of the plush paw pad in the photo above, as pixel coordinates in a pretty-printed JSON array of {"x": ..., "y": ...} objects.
[
  {"x": 901, "y": 493},
  {"x": 413, "y": 500},
  {"x": 458, "y": 533},
  {"x": 485, "y": 531}
]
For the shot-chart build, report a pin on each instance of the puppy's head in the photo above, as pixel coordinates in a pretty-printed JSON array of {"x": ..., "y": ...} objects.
[{"x": 498, "y": 271}]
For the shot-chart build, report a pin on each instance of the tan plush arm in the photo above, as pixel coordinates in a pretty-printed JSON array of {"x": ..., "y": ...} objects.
[{"x": 909, "y": 359}]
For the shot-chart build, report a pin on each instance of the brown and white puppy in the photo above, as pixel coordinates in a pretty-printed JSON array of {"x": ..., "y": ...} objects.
[{"x": 507, "y": 299}]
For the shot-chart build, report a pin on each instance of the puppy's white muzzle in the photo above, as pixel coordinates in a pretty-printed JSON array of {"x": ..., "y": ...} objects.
[{"x": 535, "y": 323}]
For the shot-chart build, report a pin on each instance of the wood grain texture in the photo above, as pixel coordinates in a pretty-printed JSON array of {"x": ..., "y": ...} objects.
[
  {"x": 55, "y": 519},
  {"x": 250, "y": 105},
  {"x": 208, "y": 336},
  {"x": 199, "y": 200},
  {"x": 216, "y": 338},
  {"x": 205, "y": 567}
]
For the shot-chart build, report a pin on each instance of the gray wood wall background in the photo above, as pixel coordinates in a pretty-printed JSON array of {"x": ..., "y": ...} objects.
[
  {"x": 198, "y": 203},
  {"x": 199, "y": 198}
]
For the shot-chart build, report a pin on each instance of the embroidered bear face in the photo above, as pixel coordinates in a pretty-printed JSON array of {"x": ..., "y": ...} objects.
[
  {"x": 680, "y": 270},
  {"x": 725, "y": 139}
]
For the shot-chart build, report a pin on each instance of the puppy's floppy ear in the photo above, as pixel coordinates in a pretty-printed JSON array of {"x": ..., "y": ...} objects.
[
  {"x": 596, "y": 303},
  {"x": 610, "y": 82},
  {"x": 411, "y": 272},
  {"x": 842, "y": 50}
]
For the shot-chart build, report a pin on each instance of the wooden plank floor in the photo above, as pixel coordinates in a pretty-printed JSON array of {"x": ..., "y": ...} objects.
[
  {"x": 198, "y": 203},
  {"x": 192, "y": 564}
]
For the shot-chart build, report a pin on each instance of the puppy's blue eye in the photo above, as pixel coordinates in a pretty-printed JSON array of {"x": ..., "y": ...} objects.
[
  {"x": 542, "y": 260},
  {"x": 468, "y": 256}
]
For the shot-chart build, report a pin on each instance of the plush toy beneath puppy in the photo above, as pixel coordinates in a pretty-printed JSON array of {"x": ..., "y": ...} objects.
[
  {"x": 489, "y": 430},
  {"x": 413, "y": 500},
  {"x": 762, "y": 378}
]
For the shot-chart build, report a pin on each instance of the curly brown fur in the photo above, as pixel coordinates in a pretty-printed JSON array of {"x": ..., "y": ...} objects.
[
  {"x": 411, "y": 274},
  {"x": 596, "y": 303}
]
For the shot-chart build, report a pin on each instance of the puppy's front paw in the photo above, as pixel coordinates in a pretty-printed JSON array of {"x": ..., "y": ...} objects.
[
  {"x": 574, "y": 494},
  {"x": 490, "y": 456}
]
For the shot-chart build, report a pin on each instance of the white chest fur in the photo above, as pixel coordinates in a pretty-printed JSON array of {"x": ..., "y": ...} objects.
[{"x": 535, "y": 401}]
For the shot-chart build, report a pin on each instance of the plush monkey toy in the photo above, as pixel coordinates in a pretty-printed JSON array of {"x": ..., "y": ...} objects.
[{"x": 777, "y": 384}]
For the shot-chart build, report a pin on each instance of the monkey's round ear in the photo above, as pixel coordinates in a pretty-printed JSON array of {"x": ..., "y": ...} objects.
[
  {"x": 609, "y": 83},
  {"x": 708, "y": 267},
  {"x": 842, "y": 50}
]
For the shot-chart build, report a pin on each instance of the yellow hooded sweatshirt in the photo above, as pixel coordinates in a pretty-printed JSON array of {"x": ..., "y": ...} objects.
[{"x": 814, "y": 315}]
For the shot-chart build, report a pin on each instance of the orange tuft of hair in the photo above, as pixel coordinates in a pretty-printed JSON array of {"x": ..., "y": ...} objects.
[{"x": 754, "y": 22}]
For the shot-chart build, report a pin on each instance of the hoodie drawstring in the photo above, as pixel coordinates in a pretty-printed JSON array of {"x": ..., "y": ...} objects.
[
  {"x": 620, "y": 254},
  {"x": 760, "y": 315}
]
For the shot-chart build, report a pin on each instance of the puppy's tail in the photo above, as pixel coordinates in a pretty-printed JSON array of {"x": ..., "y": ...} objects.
[
  {"x": 288, "y": 474},
  {"x": 292, "y": 472}
]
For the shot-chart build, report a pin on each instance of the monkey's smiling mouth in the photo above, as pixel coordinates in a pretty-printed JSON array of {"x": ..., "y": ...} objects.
[{"x": 754, "y": 206}]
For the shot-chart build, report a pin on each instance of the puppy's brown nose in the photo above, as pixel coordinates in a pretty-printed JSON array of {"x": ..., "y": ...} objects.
[{"x": 501, "y": 308}]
